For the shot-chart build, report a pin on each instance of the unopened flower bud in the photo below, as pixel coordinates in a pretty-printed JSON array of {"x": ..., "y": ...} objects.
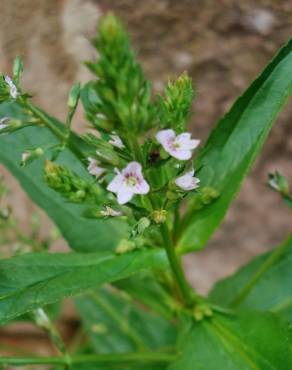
[
  {"x": 143, "y": 224},
  {"x": 29, "y": 156},
  {"x": 279, "y": 183},
  {"x": 159, "y": 216},
  {"x": 74, "y": 96},
  {"x": 172, "y": 195},
  {"x": 17, "y": 68},
  {"x": 125, "y": 246},
  {"x": 208, "y": 195}
]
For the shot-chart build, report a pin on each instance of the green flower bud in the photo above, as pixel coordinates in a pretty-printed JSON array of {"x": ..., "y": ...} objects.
[
  {"x": 159, "y": 216},
  {"x": 125, "y": 246},
  {"x": 208, "y": 195},
  {"x": 171, "y": 195},
  {"x": 74, "y": 96},
  {"x": 17, "y": 68},
  {"x": 69, "y": 184},
  {"x": 201, "y": 311},
  {"x": 279, "y": 183},
  {"x": 143, "y": 224},
  {"x": 29, "y": 156},
  {"x": 175, "y": 105}
]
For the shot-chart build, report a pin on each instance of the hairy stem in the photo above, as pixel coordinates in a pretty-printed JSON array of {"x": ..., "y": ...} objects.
[
  {"x": 268, "y": 263},
  {"x": 157, "y": 357},
  {"x": 176, "y": 266}
]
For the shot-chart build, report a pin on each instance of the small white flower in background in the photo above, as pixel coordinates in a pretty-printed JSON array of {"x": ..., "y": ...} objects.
[
  {"x": 116, "y": 141},
  {"x": 93, "y": 167},
  {"x": 188, "y": 181},
  {"x": 128, "y": 182},
  {"x": 178, "y": 146},
  {"x": 25, "y": 156},
  {"x": 12, "y": 87},
  {"x": 100, "y": 116},
  {"x": 3, "y": 123},
  {"x": 108, "y": 211}
]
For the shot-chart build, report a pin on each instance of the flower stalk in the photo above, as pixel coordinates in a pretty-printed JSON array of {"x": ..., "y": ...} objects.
[
  {"x": 111, "y": 358},
  {"x": 186, "y": 291}
]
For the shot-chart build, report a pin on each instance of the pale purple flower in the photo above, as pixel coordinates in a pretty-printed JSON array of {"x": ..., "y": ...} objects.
[
  {"x": 116, "y": 141},
  {"x": 188, "y": 181},
  {"x": 12, "y": 87},
  {"x": 178, "y": 146},
  {"x": 108, "y": 211},
  {"x": 128, "y": 182},
  {"x": 93, "y": 167}
]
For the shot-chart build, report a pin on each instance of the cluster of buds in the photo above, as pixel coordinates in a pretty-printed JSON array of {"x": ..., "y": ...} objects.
[{"x": 69, "y": 184}]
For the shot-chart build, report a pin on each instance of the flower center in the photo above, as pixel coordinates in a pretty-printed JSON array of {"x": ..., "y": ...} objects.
[
  {"x": 175, "y": 144},
  {"x": 131, "y": 180}
]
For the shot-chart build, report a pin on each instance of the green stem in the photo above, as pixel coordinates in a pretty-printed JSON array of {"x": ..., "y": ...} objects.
[
  {"x": 64, "y": 137},
  {"x": 185, "y": 289},
  {"x": 93, "y": 359},
  {"x": 37, "y": 112},
  {"x": 268, "y": 263}
]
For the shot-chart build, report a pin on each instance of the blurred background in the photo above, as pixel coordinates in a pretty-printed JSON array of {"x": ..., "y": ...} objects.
[{"x": 223, "y": 44}]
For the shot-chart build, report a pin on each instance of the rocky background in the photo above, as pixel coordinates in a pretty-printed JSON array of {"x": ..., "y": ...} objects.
[{"x": 223, "y": 44}]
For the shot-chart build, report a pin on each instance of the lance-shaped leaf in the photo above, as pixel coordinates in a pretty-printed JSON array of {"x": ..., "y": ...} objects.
[
  {"x": 234, "y": 143},
  {"x": 116, "y": 323},
  {"x": 82, "y": 234},
  {"x": 251, "y": 341},
  {"x": 263, "y": 284},
  {"x": 34, "y": 280}
]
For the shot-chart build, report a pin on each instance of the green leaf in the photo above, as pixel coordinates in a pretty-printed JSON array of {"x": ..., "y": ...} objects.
[
  {"x": 34, "y": 280},
  {"x": 82, "y": 234},
  {"x": 234, "y": 143},
  {"x": 269, "y": 284},
  {"x": 251, "y": 341},
  {"x": 130, "y": 326},
  {"x": 153, "y": 295}
]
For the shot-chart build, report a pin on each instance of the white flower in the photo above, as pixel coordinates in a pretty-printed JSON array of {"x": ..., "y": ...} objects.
[
  {"x": 12, "y": 87},
  {"x": 128, "y": 182},
  {"x": 4, "y": 125},
  {"x": 25, "y": 156},
  {"x": 108, "y": 211},
  {"x": 93, "y": 167},
  {"x": 116, "y": 141},
  {"x": 179, "y": 146},
  {"x": 188, "y": 181},
  {"x": 100, "y": 116}
]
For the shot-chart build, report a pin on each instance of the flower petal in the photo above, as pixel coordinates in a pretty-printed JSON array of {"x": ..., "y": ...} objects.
[
  {"x": 186, "y": 142},
  {"x": 134, "y": 168},
  {"x": 187, "y": 181},
  {"x": 93, "y": 167},
  {"x": 181, "y": 154},
  {"x": 165, "y": 136},
  {"x": 116, "y": 184},
  {"x": 124, "y": 196},
  {"x": 116, "y": 141},
  {"x": 142, "y": 188}
]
